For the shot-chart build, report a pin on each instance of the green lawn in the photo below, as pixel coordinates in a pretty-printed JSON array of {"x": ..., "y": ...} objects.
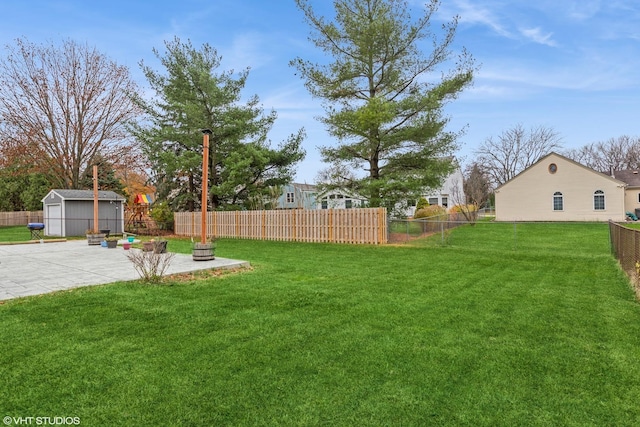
[
  {"x": 14, "y": 234},
  {"x": 532, "y": 325}
]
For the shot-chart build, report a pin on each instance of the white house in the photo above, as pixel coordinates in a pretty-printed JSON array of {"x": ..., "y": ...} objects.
[
  {"x": 556, "y": 188},
  {"x": 339, "y": 199},
  {"x": 449, "y": 194}
]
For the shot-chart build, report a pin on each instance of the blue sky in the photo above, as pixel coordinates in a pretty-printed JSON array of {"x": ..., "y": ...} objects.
[{"x": 573, "y": 65}]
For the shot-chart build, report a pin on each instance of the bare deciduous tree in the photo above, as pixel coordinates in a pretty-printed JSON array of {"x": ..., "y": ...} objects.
[
  {"x": 514, "y": 150},
  {"x": 60, "y": 106},
  {"x": 474, "y": 194},
  {"x": 615, "y": 153},
  {"x": 476, "y": 185}
]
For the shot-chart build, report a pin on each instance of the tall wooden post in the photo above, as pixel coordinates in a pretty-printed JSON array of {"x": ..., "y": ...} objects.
[
  {"x": 204, "y": 251},
  {"x": 95, "y": 199},
  {"x": 205, "y": 183}
]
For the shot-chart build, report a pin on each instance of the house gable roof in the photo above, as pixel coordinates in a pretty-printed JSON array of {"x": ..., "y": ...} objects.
[
  {"x": 84, "y": 195},
  {"x": 304, "y": 187},
  {"x": 552, "y": 154},
  {"x": 336, "y": 191}
]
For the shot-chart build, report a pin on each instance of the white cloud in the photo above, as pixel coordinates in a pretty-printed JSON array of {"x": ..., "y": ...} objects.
[
  {"x": 292, "y": 96},
  {"x": 536, "y": 35},
  {"x": 589, "y": 75},
  {"x": 473, "y": 14},
  {"x": 246, "y": 50},
  {"x": 583, "y": 9}
]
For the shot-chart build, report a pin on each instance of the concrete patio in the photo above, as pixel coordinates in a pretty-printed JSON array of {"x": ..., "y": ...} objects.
[{"x": 39, "y": 268}]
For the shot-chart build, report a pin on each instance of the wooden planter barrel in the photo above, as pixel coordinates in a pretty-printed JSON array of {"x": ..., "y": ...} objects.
[{"x": 204, "y": 252}]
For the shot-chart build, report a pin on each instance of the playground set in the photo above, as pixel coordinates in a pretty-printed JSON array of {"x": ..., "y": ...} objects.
[{"x": 138, "y": 216}]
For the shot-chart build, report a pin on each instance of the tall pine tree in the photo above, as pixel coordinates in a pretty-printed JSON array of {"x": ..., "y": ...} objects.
[
  {"x": 192, "y": 95},
  {"x": 382, "y": 102}
]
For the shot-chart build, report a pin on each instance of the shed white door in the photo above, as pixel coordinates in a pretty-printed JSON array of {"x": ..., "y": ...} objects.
[{"x": 54, "y": 220}]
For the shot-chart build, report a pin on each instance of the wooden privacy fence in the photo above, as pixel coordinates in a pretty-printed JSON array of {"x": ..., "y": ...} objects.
[
  {"x": 20, "y": 218},
  {"x": 366, "y": 225}
]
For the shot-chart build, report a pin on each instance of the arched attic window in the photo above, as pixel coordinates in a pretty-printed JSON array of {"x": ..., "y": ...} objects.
[
  {"x": 558, "y": 201},
  {"x": 598, "y": 200}
]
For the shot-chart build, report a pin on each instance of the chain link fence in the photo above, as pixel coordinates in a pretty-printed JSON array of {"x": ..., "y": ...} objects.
[{"x": 404, "y": 230}]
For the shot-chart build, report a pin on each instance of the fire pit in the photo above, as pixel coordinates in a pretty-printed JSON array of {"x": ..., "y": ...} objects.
[{"x": 36, "y": 230}]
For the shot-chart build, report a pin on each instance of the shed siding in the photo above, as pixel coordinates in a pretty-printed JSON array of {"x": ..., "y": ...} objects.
[
  {"x": 529, "y": 196},
  {"x": 77, "y": 212},
  {"x": 79, "y": 216}
]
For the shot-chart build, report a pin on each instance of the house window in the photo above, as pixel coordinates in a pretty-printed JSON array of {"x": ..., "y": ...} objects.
[
  {"x": 433, "y": 200},
  {"x": 558, "y": 204},
  {"x": 290, "y": 198},
  {"x": 598, "y": 200},
  {"x": 638, "y": 197},
  {"x": 325, "y": 204},
  {"x": 445, "y": 201},
  {"x": 347, "y": 204}
]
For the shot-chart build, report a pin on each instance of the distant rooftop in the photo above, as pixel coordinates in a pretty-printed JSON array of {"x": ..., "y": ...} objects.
[
  {"x": 630, "y": 176},
  {"x": 87, "y": 195}
]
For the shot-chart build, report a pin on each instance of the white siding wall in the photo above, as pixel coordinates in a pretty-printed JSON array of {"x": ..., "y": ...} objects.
[
  {"x": 632, "y": 199},
  {"x": 451, "y": 193}
]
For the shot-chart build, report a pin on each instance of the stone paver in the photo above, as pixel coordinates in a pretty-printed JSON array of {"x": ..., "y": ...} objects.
[{"x": 33, "y": 269}]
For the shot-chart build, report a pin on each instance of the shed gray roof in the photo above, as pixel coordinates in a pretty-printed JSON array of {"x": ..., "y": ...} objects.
[{"x": 86, "y": 195}]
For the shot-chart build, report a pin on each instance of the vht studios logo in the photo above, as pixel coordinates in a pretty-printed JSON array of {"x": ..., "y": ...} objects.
[{"x": 41, "y": 421}]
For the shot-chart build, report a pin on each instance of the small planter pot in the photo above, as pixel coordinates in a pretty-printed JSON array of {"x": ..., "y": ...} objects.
[
  {"x": 147, "y": 246},
  {"x": 130, "y": 239},
  {"x": 112, "y": 244},
  {"x": 103, "y": 243},
  {"x": 126, "y": 246}
]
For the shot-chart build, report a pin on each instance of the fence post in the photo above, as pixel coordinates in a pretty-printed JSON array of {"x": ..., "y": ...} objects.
[
  {"x": 330, "y": 224},
  {"x": 294, "y": 233}
]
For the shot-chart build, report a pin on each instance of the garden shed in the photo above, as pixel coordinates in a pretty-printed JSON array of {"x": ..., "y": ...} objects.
[{"x": 70, "y": 212}]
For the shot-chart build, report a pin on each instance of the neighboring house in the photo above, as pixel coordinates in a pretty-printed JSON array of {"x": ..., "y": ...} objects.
[
  {"x": 632, "y": 191},
  {"x": 340, "y": 199},
  {"x": 451, "y": 193},
  {"x": 556, "y": 188},
  {"x": 70, "y": 212},
  {"x": 297, "y": 196},
  {"x": 306, "y": 196}
]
